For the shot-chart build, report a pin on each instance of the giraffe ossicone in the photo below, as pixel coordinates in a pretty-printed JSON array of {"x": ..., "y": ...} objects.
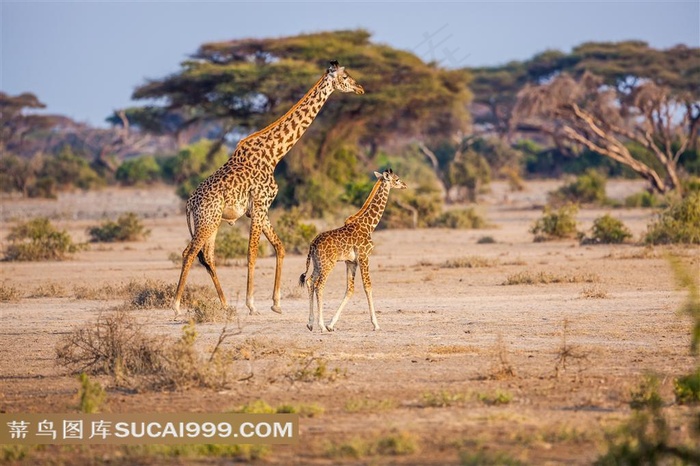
[
  {"x": 245, "y": 185},
  {"x": 351, "y": 243}
]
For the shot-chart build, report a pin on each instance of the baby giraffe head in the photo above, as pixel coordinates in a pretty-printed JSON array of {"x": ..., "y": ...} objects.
[
  {"x": 390, "y": 177},
  {"x": 341, "y": 80}
]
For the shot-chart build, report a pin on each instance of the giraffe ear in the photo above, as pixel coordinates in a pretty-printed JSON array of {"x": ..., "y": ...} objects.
[{"x": 378, "y": 175}]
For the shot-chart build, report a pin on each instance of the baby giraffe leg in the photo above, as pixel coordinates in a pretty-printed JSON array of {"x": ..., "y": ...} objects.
[
  {"x": 350, "y": 288},
  {"x": 364, "y": 271},
  {"x": 310, "y": 285}
]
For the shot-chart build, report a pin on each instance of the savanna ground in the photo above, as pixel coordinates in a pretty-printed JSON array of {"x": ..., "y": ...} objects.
[{"x": 466, "y": 369}]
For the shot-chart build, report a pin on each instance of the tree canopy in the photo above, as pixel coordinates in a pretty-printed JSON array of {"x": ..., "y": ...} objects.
[{"x": 245, "y": 84}]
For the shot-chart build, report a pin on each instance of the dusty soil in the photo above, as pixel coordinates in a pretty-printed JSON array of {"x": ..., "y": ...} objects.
[{"x": 429, "y": 376}]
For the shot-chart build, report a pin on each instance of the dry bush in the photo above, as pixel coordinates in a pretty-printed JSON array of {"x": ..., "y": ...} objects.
[
  {"x": 116, "y": 345},
  {"x": 9, "y": 293},
  {"x": 568, "y": 352},
  {"x": 113, "y": 345}
]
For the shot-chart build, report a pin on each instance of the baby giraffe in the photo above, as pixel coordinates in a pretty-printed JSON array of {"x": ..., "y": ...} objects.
[{"x": 351, "y": 243}]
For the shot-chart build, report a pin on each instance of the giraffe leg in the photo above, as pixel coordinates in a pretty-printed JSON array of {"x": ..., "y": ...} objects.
[
  {"x": 188, "y": 256},
  {"x": 351, "y": 270},
  {"x": 364, "y": 271},
  {"x": 279, "y": 257},
  {"x": 253, "y": 242},
  {"x": 206, "y": 257}
]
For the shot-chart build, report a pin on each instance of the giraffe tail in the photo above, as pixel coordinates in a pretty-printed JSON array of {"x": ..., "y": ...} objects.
[
  {"x": 188, "y": 214},
  {"x": 302, "y": 277}
]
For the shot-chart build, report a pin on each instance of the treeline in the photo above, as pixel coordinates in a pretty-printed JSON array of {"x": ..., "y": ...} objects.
[{"x": 623, "y": 109}]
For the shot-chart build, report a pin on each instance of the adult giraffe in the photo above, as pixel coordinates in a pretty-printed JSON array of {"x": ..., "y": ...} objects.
[{"x": 245, "y": 184}]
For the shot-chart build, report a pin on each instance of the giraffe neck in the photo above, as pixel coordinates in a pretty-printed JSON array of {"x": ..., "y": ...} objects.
[
  {"x": 279, "y": 137},
  {"x": 372, "y": 210}
]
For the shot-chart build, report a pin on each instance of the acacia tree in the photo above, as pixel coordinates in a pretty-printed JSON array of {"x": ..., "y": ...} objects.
[
  {"x": 621, "y": 93},
  {"x": 235, "y": 87},
  {"x": 602, "y": 119}
]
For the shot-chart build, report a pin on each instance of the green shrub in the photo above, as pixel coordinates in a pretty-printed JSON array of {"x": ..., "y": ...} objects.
[
  {"x": 470, "y": 171},
  {"x": 37, "y": 240},
  {"x": 678, "y": 223},
  {"x": 128, "y": 227},
  {"x": 91, "y": 395},
  {"x": 607, "y": 230},
  {"x": 691, "y": 184},
  {"x": 139, "y": 170},
  {"x": 68, "y": 169},
  {"x": 463, "y": 219},
  {"x": 643, "y": 199},
  {"x": 557, "y": 224},
  {"x": 192, "y": 165},
  {"x": 295, "y": 236},
  {"x": 647, "y": 395},
  {"x": 231, "y": 244},
  {"x": 588, "y": 188},
  {"x": 687, "y": 388}
]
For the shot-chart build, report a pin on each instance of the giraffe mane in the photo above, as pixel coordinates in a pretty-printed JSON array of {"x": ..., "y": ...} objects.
[
  {"x": 288, "y": 112},
  {"x": 365, "y": 206}
]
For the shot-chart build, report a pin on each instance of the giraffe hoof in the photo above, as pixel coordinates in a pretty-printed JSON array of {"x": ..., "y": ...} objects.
[
  {"x": 254, "y": 312},
  {"x": 310, "y": 327},
  {"x": 376, "y": 328},
  {"x": 276, "y": 308},
  {"x": 330, "y": 329}
]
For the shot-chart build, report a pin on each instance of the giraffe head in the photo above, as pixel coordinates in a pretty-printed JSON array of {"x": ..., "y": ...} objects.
[
  {"x": 390, "y": 177},
  {"x": 341, "y": 79}
]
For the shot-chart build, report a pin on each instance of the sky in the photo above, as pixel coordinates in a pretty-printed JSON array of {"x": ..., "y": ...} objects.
[{"x": 84, "y": 59}]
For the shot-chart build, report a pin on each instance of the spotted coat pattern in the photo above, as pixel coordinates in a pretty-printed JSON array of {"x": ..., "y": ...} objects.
[
  {"x": 351, "y": 243},
  {"x": 245, "y": 185}
]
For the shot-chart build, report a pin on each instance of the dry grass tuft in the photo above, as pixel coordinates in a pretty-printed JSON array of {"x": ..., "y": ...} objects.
[
  {"x": 501, "y": 369},
  {"x": 367, "y": 405},
  {"x": 594, "y": 292},
  {"x": 546, "y": 278},
  {"x": 451, "y": 349},
  {"x": 442, "y": 399},
  {"x": 469, "y": 262},
  {"x": 9, "y": 293},
  {"x": 307, "y": 367},
  {"x": 50, "y": 290},
  {"x": 211, "y": 311}
]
